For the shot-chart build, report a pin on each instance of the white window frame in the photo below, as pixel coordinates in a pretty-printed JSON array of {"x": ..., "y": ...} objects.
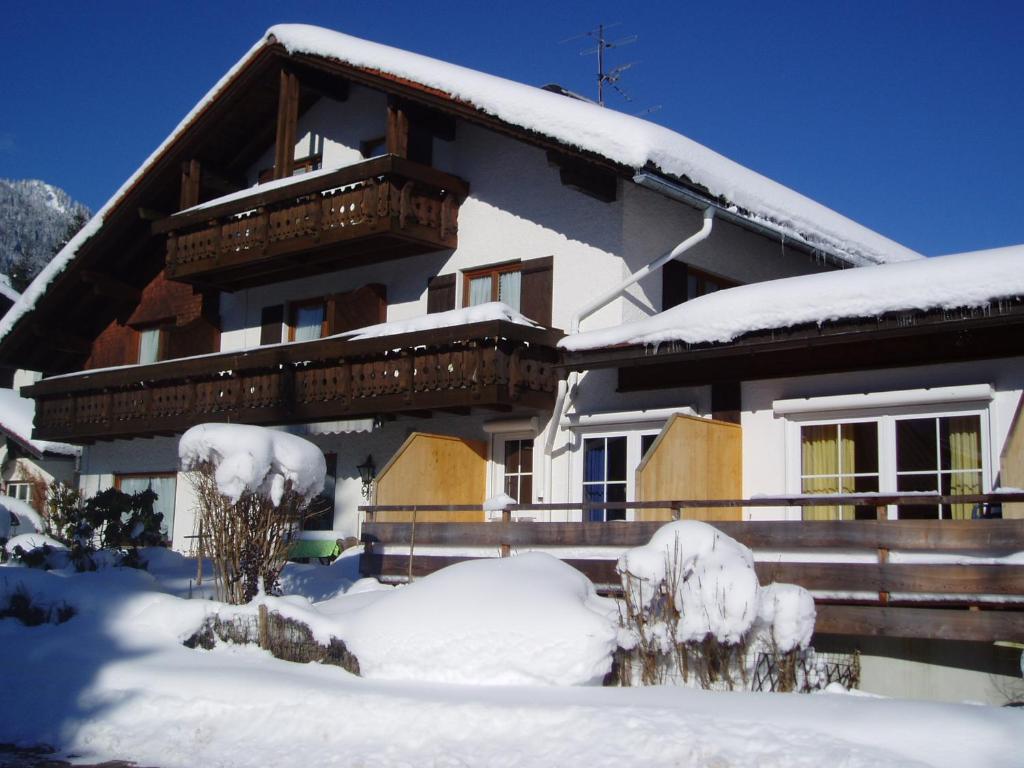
[
  {"x": 634, "y": 436},
  {"x": 886, "y": 442},
  {"x": 18, "y": 486}
]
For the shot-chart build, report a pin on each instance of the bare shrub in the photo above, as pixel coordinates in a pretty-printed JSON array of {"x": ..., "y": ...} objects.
[{"x": 247, "y": 540}]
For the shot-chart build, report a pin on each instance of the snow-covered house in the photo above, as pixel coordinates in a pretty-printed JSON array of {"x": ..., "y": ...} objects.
[
  {"x": 464, "y": 224},
  {"x": 28, "y": 465}
]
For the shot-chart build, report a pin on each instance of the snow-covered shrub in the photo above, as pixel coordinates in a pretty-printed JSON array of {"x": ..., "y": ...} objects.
[
  {"x": 21, "y": 605},
  {"x": 693, "y": 611},
  {"x": 253, "y": 488}
]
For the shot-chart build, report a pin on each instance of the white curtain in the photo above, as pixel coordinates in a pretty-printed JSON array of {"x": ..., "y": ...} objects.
[
  {"x": 149, "y": 346},
  {"x": 164, "y": 488},
  {"x": 479, "y": 290},
  {"x": 510, "y": 288},
  {"x": 309, "y": 323}
]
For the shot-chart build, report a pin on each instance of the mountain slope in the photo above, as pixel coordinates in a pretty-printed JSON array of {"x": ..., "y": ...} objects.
[{"x": 35, "y": 219}]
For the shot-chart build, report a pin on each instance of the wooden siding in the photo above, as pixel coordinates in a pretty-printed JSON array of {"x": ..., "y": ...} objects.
[
  {"x": 434, "y": 469},
  {"x": 1011, "y": 462},
  {"x": 692, "y": 458}
]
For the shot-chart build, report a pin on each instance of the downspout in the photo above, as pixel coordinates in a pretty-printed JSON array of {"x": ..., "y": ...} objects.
[{"x": 567, "y": 386}]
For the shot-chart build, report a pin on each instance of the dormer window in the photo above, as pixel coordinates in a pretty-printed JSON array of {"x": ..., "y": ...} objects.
[
  {"x": 307, "y": 320},
  {"x": 151, "y": 345},
  {"x": 499, "y": 283}
]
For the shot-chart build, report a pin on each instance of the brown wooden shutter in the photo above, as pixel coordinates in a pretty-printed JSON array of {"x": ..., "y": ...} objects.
[
  {"x": 271, "y": 319},
  {"x": 673, "y": 284},
  {"x": 196, "y": 337},
  {"x": 441, "y": 293},
  {"x": 357, "y": 309},
  {"x": 535, "y": 294}
]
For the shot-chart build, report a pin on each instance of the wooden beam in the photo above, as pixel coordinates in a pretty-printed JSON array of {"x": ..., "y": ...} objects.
[
  {"x": 585, "y": 177},
  {"x": 397, "y": 128},
  {"x": 287, "y": 120},
  {"x": 191, "y": 181},
  {"x": 110, "y": 287}
]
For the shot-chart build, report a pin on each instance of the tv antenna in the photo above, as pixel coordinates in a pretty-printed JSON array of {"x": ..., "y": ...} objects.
[{"x": 606, "y": 77}]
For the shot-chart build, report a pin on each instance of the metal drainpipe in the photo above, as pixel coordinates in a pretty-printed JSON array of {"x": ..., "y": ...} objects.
[{"x": 567, "y": 386}]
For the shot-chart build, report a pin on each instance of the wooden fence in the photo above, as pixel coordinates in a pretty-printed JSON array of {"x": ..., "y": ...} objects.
[{"x": 939, "y": 579}]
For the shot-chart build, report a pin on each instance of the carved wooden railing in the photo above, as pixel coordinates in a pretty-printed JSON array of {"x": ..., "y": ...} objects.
[
  {"x": 496, "y": 365},
  {"x": 389, "y": 205}
]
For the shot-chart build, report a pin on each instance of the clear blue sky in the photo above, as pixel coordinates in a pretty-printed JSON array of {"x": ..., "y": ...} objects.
[{"x": 906, "y": 116}]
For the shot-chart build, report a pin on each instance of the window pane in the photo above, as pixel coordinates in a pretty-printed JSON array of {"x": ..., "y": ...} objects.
[
  {"x": 593, "y": 460},
  {"x": 865, "y": 445},
  {"x": 915, "y": 445},
  {"x": 509, "y": 288},
  {"x": 309, "y": 322},
  {"x": 960, "y": 442},
  {"x": 479, "y": 290},
  {"x": 149, "y": 346},
  {"x": 617, "y": 458},
  {"x": 692, "y": 287},
  {"x": 646, "y": 441},
  {"x": 164, "y": 488},
  {"x": 512, "y": 455}
]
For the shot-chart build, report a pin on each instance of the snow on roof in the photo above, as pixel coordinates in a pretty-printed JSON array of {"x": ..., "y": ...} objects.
[
  {"x": 945, "y": 282},
  {"x": 479, "y": 313},
  {"x": 624, "y": 139},
  {"x": 16, "y": 415}
]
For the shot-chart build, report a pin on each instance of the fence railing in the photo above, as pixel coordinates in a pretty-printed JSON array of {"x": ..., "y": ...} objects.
[{"x": 940, "y": 579}]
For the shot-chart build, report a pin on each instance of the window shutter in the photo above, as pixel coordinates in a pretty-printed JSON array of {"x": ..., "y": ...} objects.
[
  {"x": 535, "y": 301},
  {"x": 271, "y": 319},
  {"x": 357, "y": 309},
  {"x": 673, "y": 284},
  {"x": 441, "y": 293}
]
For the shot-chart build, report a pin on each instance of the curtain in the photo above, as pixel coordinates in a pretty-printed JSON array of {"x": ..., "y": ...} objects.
[
  {"x": 479, "y": 290},
  {"x": 309, "y": 323},
  {"x": 510, "y": 288},
  {"x": 820, "y": 457},
  {"x": 164, "y": 488},
  {"x": 149, "y": 346},
  {"x": 964, "y": 461}
]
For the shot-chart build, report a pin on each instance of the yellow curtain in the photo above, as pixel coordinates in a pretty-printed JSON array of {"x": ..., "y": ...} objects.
[
  {"x": 964, "y": 456},
  {"x": 820, "y": 456}
]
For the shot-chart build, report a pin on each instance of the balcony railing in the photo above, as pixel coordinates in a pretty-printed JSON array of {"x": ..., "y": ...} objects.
[
  {"x": 384, "y": 208},
  {"x": 493, "y": 365}
]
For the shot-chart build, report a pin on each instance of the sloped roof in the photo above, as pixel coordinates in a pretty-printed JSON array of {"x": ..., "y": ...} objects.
[
  {"x": 624, "y": 140},
  {"x": 16, "y": 415},
  {"x": 964, "y": 280}
]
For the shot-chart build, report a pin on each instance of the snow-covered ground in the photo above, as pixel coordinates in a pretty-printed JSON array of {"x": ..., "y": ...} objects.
[{"x": 115, "y": 682}]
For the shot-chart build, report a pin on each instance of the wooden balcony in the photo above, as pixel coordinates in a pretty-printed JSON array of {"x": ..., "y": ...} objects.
[
  {"x": 385, "y": 208},
  {"x": 493, "y": 365}
]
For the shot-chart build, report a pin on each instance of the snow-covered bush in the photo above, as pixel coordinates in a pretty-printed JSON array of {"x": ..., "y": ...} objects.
[
  {"x": 693, "y": 610},
  {"x": 253, "y": 487}
]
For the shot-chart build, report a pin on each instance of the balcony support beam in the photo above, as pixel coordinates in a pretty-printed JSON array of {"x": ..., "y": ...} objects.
[
  {"x": 287, "y": 120},
  {"x": 397, "y": 128}
]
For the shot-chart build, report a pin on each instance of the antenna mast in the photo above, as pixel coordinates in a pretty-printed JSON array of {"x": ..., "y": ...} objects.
[{"x": 603, "y": 77}]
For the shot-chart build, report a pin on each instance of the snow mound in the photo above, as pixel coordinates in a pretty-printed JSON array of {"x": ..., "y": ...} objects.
[
  {"x": 499, "y": 502},
  {"x": 787, "y": 613},
  {"x": 526, "y": 620},
  {"x": 945, "y": 282},
  {"x": 32, "y": 541},
  {"x": 710, "y": 576},
  {"x": 251, "y": 458}
]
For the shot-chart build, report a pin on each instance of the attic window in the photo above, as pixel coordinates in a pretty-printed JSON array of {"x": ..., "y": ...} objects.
[
  {"x": 152, "y": 342},
  {"x": 681, "y": 282},
  {"x": 307, "y": 320}
]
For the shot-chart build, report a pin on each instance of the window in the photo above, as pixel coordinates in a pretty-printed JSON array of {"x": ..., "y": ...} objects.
[
  {"x": 307, "y": 320},
  {"x": 162, "y": 484},
  {"x": 499, "y": 283},
  {"x": 681, "y": 282},
  {"x": 607, "y": 465},
  {"x": 839, "y": 458},
  {"x": 604, "y": 475},
  {"x": 519, "y": 470},
  {"x": 20, "y": 491},
  {"x": 913, "y": 453},
  {"x": 940, "y": 455},
  {"x": 151, "y": 345}
]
